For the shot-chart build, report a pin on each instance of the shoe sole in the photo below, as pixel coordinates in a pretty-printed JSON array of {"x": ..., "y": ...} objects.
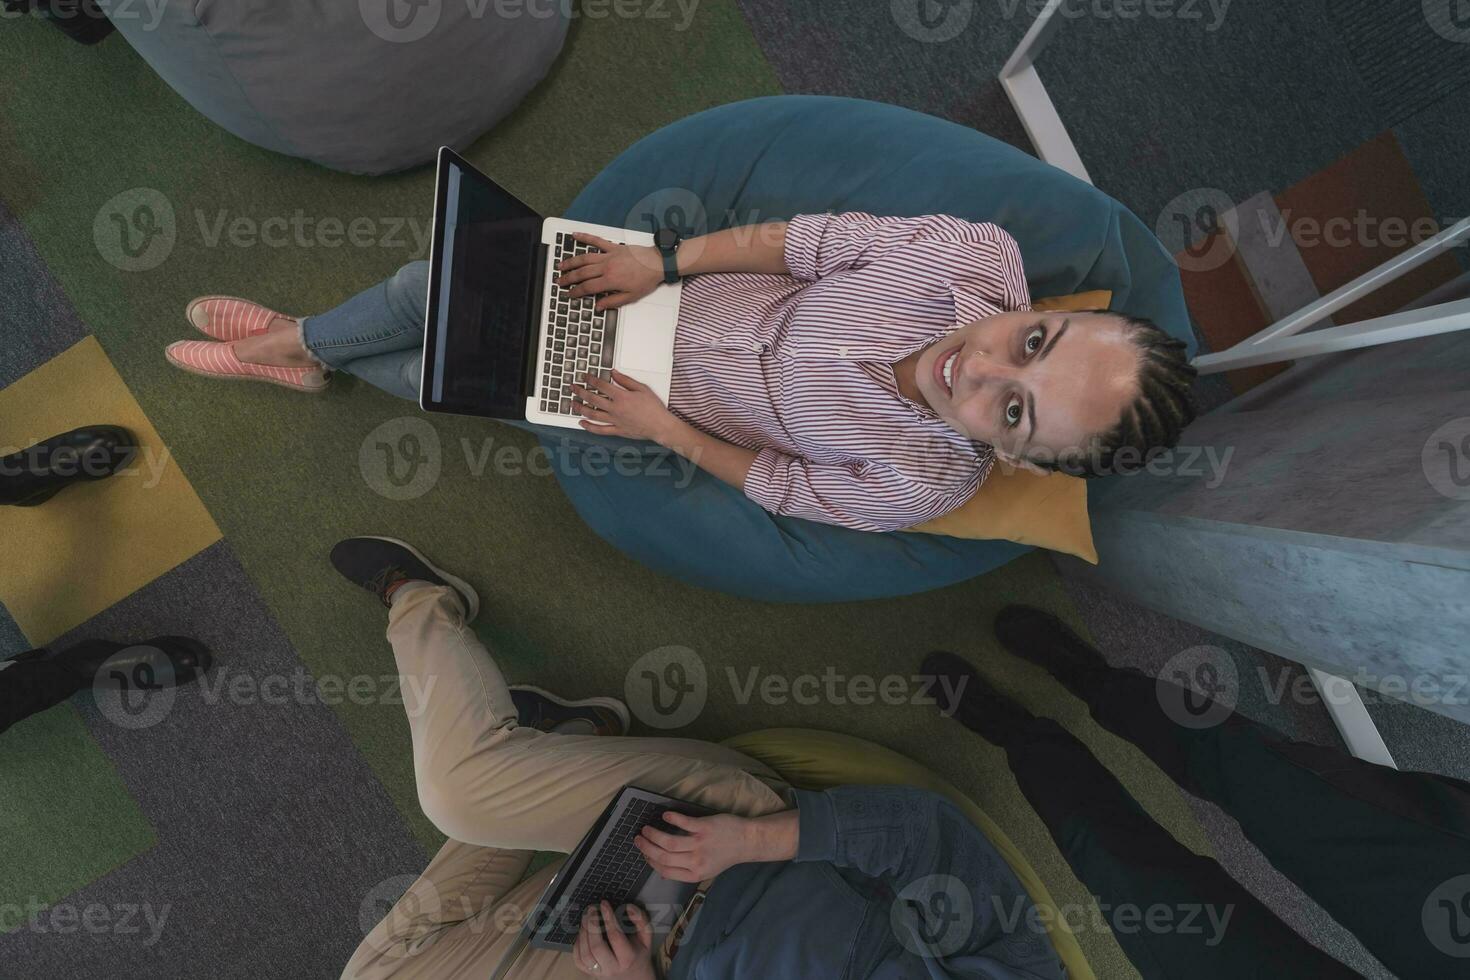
[
  {"x": 247, "y": 377},
  {"x": 612, "y": 704},
  {"x": 459, "y": 584}
]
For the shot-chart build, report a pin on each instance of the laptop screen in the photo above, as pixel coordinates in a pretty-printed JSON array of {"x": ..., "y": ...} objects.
[{"x": 485, "y": 264}]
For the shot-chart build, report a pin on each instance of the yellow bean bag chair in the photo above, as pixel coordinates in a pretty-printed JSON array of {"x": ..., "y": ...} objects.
[{"x": 816, "y": 760}]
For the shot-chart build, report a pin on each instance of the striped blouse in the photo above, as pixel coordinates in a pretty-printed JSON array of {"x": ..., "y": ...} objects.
[{"x": 800, "y": 367}]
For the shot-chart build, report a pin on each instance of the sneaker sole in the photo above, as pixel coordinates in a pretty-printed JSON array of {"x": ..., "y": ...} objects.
[
  {"x": 612, "y": 704},
  {"x": 459, "y": 584}
]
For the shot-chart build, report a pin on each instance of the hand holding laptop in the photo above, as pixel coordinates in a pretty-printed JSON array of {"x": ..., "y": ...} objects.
[{"x": 604, "y": 949}]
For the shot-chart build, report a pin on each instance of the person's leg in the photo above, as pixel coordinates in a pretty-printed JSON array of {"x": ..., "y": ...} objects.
[
  {"x": 397, "y": 374},
  {"x": 1175, "y": 914},
  {"x": 484, "y": 779},
  {"x": 31, "y": 682},
  {"x": 500, "y": 791},
  {"x": 377, "y": 335},
  {"x": 459, "y": 919},
  {"x": 81, "y": 20},
  {"x": 1372, "y": 845},
  {"x": 34, "y": 475},
  {"x": 39, "y": 679}
]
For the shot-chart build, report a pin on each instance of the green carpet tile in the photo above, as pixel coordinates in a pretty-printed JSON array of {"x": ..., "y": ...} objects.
[
  {"x": 280, "y": 471},
  {"x": 65, "y": 815}
]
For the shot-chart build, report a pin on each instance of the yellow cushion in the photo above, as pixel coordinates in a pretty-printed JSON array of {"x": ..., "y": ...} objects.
[
  {"x": 816, "y": 760},
  {"x": 1047, "y": 511}
]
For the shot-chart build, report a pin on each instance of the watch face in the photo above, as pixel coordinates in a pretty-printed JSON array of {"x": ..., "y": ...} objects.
[{"x": 666, "y": 238}]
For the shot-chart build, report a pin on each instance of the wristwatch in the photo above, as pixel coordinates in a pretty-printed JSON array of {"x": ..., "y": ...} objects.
[{"x": 667, "y": 241}]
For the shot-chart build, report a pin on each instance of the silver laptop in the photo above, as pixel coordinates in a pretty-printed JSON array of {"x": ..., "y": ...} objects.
[
  {"x": 501, "y": 339},
  {"x": 607, "y": 867}
]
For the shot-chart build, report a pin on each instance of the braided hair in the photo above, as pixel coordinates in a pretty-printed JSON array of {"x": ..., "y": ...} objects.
[{"x": 1153, "y": 421}]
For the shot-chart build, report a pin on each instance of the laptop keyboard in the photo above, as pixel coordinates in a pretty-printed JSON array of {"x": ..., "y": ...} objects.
[
  {"x": 616, "y": 873},
  {"x": 578, "y": 338}
]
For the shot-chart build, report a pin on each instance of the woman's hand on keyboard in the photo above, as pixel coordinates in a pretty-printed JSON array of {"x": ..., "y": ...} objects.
[
  {"x": 623, "y": 407},
  {"x": 602, "y": 948},
  {"x": 620, "y": 274}
]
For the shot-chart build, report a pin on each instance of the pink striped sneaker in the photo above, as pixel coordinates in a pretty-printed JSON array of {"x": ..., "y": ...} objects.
[
  {"x": 219, "y": 361},
  {"x": 230, "y": 318}
]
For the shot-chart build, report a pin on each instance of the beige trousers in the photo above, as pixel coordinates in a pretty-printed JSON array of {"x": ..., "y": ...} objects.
[{"x": 501, "y": 792}]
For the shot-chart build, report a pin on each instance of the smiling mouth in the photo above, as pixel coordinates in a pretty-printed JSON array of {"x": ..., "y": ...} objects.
[{"x": 944, "y": 371}]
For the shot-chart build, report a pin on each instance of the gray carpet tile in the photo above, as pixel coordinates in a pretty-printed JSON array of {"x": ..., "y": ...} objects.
[
  {"x": 1423, "y": 740},
  {"x": 939, "y": 59},
  {"x": 1161, "y": 106},
  {"x": 36, "y": 319},
  {"x": 1410, "y": 55},
  {"x": 1156, "y": 106},
  {"x": 273, "y": 833},
  {"x": 1435, "y": 143}
]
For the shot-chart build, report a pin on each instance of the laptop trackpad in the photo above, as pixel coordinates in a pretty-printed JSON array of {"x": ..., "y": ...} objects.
[{"x": 646, "y": 346}]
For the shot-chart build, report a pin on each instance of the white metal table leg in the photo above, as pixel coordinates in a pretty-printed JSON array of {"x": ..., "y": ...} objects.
[
  {"x": 1351, "y": 717},
  {"x": 1278, "y": 342},
  {"x": 1428, "y": 322},
  {"x": 1284, "y": 341},
  {"x": 1032, "y": 103}
]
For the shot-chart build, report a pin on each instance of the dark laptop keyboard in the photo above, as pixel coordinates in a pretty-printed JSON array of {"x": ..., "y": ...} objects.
[
  {"x": 614, "y": 875},
  {"x": 578, "y": 339}
]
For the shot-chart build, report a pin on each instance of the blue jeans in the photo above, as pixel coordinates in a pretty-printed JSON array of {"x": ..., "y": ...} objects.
[{"x": 377, "y": 335}]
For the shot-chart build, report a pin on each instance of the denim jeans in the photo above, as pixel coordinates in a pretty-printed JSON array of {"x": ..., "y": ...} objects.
[{"x": 377, "y": 335}]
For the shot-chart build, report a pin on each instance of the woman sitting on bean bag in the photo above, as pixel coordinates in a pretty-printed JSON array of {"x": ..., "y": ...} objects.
[{"x": 849, "y": 369}]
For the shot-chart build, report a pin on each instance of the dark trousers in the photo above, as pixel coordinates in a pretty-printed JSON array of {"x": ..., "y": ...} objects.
[
  {"x": 32, "y": 683},
  {"x": 1386, "y": 853}
]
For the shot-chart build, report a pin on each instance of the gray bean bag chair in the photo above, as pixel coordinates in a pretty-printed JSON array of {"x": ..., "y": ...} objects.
[{"x": 366, "y": 86}]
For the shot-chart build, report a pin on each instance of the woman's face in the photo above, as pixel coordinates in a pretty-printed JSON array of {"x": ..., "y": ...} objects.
[{"x": 1032, "y": 384}]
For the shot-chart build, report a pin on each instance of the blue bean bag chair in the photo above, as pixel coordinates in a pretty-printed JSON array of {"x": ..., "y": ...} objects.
[
  {"x": 769, "y": 159},
  {"x": 366, "y": 86}
]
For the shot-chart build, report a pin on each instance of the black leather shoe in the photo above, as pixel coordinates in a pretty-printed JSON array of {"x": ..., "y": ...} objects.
[
  {"x": 163, "y": 661},
  {"x": 81, "y": 20},
  {"x": 35, "y": 475},
  {"x": 1038, "y": 636}
]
